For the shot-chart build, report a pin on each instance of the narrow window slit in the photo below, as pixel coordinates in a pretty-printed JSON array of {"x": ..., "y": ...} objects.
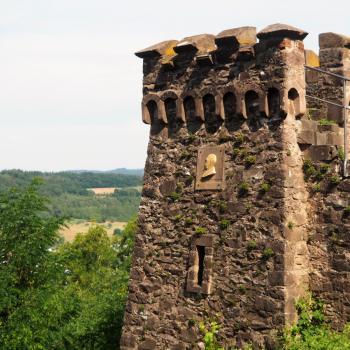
[
  {"x": 201, "y": 255},
  {"x": 199, "y": 275}
]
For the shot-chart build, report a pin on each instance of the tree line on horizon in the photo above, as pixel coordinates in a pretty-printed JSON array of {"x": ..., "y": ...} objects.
[{"x": 70, "y": 197}]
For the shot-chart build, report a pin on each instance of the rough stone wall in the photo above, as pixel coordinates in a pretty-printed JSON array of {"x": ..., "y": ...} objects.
[
  {"x": 160, "y": 312},
  {"x": 243, "y": 251},
  {"x": 328, "y": 241},
  {"x": 228, "y": 91}
]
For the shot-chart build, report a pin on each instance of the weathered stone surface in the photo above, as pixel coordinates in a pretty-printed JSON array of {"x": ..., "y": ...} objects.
[
  {"x": 335, "y": 139},
  {"x": 307, "y": 137},
  {"x": 279, "y": 30},
  {"x": 243, "y": 36},
  {"x": 148, "y": 344},
  {"x": 309, "y": 125},
  {"x": 321, "y": 152},
  {"x": 334, "y": 58},
  {"x": 165, "y": 48},
  {"x": 330, "y": 40},
  {"x": 335, "y": 113},
  {"x": 311, "y": 59},
  {"x": 201, "y": 44},
  {"x": 167, "y": 187}
]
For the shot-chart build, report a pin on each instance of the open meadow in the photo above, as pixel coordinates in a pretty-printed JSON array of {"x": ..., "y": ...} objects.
[{"x": 81, "y": 226}]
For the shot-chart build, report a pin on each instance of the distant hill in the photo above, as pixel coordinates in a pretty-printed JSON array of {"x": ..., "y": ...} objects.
[
  {"x": 124, "y": 171},
  {"x": 70, "y": 197},
  {"x": 120, "y": 171},
  {"x": 68, "y": 182}
]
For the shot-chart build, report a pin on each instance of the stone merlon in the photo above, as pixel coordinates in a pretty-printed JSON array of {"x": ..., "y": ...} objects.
[
  {"x": 165, "y": 48},
  {"x": 243, "y": 36},
  {"x": 333, "y": 40},
  {"x": 278, "y": 30},
  {"x": 204, "y": 44}
]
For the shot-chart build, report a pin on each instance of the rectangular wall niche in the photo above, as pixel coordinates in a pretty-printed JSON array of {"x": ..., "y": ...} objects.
[{"x": 199, "y": 277}]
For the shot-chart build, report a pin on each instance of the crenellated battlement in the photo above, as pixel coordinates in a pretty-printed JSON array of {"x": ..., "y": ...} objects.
[
  {"x": 237, "y": 44},
  {"x": 207, "y": 77}
]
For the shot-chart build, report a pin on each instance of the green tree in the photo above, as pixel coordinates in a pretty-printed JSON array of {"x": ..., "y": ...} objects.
[
  {"x": 98, "y": 277},
  {"x": 69, "y": 296},
  {"x": 26, "y": 264}
]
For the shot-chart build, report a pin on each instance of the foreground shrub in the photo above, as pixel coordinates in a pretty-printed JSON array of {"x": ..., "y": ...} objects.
[
  {"x": 312, "y": 332},
  {"x": 68, "y": 296}
]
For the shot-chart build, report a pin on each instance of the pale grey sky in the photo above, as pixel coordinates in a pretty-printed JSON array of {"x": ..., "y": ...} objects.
[{"x": 70, "y": 86}]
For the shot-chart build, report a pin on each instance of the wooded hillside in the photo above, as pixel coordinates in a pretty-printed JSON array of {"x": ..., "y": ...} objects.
[{"x": 70, "y": 197}]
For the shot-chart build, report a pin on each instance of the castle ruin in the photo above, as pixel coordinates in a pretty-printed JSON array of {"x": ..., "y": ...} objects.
[{"x": 245, "y": 204}]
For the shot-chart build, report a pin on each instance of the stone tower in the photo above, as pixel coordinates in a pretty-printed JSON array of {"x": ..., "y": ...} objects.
[{"x": 244, "y": 207}]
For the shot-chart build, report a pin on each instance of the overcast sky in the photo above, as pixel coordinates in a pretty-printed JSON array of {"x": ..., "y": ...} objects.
[{"x": 70, "y": 86}]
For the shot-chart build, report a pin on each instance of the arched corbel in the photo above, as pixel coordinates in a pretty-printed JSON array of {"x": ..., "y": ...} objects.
[
  {"x": 230, "y": 89},
  {"x": 263, "y": 105},
  {"x": 219, "y": 110},
  {"x": 241, "y": 108},
  {"x": 271, "y": 90},
  {"x": 197, "y": 102},
  {"x": 169, "y": 94},
  {"x": 219, "y": 107},
  {"x": 295, "y": 101},
  {"x": 302, "y": 108},
  {"x": 261, "y": 100},
  {"x": 146, "y": 117},
  {"x": 175, "y": 95},
  {"x": 180, "y": 109}
]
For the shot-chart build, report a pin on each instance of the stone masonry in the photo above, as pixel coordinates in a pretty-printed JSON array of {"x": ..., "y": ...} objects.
[{"x": 244, "y": 207}]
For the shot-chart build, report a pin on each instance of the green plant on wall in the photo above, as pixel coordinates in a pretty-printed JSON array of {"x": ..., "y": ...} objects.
[
  {"x": 311, "y": 113},
  {"x": 176, "y": 195},
  {"x": 224, "y": 224},
  {"x": 178, "y": 217},
  {"x": 250, "y": 160},
  {"x": 252, "y": 245},
  {"x": 222, "y": 207},
  {"x": 335, "y": 180},
  {"x": 268, "y": 253},
  {"x": 341, "y": 153},
  {"x": 326, "y": 122},
  {"x": 238, "y": 138},
  {"x": 210, "y": 330},
  {"x": 201, "y": 230},
  {"x": 188, "y": 221},
  {"x": 243, "y": 188},
  {"x": 309, "y": 168},
  {"x": 316, "y": 187},
  {"x": 191, "y": 138},
  {"x": 312, "y": 331},
  {"x": 265, "y": 187}
]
